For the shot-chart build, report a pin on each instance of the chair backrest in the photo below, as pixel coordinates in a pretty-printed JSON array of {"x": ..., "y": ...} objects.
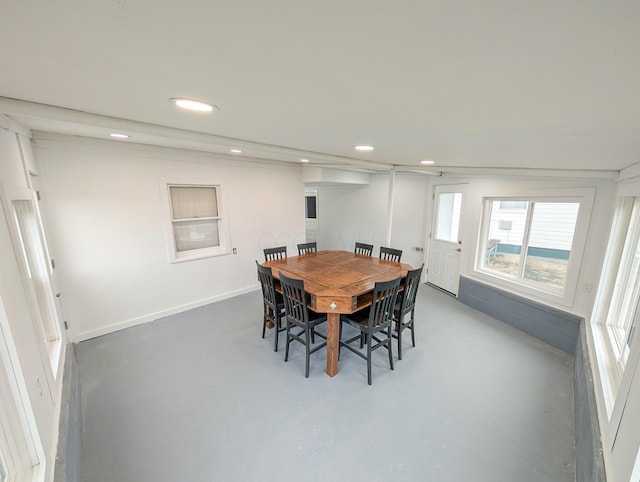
[
  {"x": 268, "y": 287},
  {"x": 271, "y": 254},
  {"x": 383, "y": 303},
  {"x": 362, "y": 248},
  {"x": 390, "y": 254},
  {"x": 295, "y": 299},
  {"x": 410, "y": 290},
  {"x": 306, "y": 248}
]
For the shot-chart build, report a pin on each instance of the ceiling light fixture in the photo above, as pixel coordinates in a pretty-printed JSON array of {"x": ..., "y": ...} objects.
[
  {"x": 194, "y": 105},
  {"x": 427, "y": 162},
  {"x": 304, "y": 160},
  {"x": 118, "y": 136},
  {"x": 236, "y": 151},
  {"x": 363, "y": 147}
]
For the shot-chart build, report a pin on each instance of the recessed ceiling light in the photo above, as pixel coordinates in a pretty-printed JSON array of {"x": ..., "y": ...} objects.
[
  {"x": 118, "y": 136},
  {"x": 236, "y": 151},
  {"x": 427, "y": 162},
  {"x": 304, "y": 160},
  {"x": 195, "y": 105},
  {"x": 364, "y": 148}
]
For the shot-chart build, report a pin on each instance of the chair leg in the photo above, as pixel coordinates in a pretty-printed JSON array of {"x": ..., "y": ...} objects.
[
  {"x": 307, "y": 349},
  {"x": 368, "y": 357},
  {"x": 390, "y": 347},
  {"x": 400, "y": 330},
  {"x": 286, "y": 351},
  {"x": 264, "y": 323},
  {"x": 276, "y": 333},
  {"x": 413, "y": 335}
]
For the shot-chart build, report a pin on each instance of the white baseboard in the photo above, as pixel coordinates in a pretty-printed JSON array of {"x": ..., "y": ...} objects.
[{"x": 121, "y": 325}]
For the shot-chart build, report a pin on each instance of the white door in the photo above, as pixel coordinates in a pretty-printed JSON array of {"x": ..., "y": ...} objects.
[{"x": 445, "y": 245}]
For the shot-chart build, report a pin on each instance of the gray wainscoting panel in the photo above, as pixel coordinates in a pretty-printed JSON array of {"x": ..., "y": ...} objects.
[
  {"x": 589, "y": 458},
  {"x": 70, "y": 431},
  {"x": 553, "y": 326}
]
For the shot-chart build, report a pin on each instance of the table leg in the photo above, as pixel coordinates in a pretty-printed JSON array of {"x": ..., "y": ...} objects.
[{"x": 333, "y": 339}]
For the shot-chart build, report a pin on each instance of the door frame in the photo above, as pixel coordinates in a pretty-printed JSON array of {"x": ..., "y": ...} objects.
[
  {"x": 438, "y": 189},
  {"x": 311, "y": 192}
]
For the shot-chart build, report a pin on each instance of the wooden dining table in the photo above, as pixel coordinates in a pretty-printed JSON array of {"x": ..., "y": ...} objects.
[{"x": 337, "y": 282}]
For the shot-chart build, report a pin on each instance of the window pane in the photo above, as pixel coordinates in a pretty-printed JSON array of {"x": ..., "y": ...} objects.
[
  {"x": 188, "y": 202},
  {"x": 15, "y": 458},
  {"x": 196, "y": 234},
  {"x": 37, "y": 267},
  {"x": 519, "y": 205},
  {"x": 627, "y": 292},
  {"x": 550, "y": 240},
  {"x": 504, "y": 241},
  {"x": 447, "y": 224}
]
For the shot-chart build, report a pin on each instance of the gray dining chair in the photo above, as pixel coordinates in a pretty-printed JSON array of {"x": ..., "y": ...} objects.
[
  {"x": 271, "y": 254},
  {"x": 390, "y": 254},
  {"x": 404, "y": 311},
  {"x": 374, "y": 324},
  {"x": 306, "y": 248},
  {"x": 301, "y": 322},
  {"x": 273, "y": 310},
  {"x": 363, "y": 248}
]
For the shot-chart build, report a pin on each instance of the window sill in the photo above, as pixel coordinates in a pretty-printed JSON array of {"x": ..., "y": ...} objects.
[
  {"x": 562, "y": 299},
  {"x": 196, "y": 256}
]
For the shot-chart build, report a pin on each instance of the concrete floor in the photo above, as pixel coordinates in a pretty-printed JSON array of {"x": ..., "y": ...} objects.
[{"x": 199, "y": 396}]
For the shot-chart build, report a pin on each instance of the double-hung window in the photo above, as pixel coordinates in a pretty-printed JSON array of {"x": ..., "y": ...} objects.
[
  {"x": 529, "y": 244},
  {"x": 623, "y": 311},
  {"x": 618, "y": 307},
  {"x": 197, "y": 223},
  {"x": 19, "y": 445},
  {"x": 616, "y": 313},
  {"x": 36, "y": 267}
]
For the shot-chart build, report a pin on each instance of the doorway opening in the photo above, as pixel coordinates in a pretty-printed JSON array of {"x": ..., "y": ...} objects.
[{"x": 311, "y": 215}]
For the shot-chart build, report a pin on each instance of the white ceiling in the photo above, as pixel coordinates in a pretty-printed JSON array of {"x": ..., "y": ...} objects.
[{"x": 529, "y": 84}]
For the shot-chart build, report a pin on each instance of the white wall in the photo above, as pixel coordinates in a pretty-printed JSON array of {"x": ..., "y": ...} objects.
[
  {"x": 409, "y": 224},
  {"x": 592, "y": 258},
  {"x": 38, "y": 386},
  {"x": 358, "y": 213},
  {"x": 351, "y": 213},
  {"x": 107, "y": 226}
]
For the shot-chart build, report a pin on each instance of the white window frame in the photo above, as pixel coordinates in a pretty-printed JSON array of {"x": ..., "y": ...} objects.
[
  {"x": 174, "y": 255},
  {"x": 583, "y": 196},
  {"x": 41, "y": 298},
  {"x": 611, "y": 353},
  {"x": 21, "y": 450},
  {"x": 619, "y": 336}
]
